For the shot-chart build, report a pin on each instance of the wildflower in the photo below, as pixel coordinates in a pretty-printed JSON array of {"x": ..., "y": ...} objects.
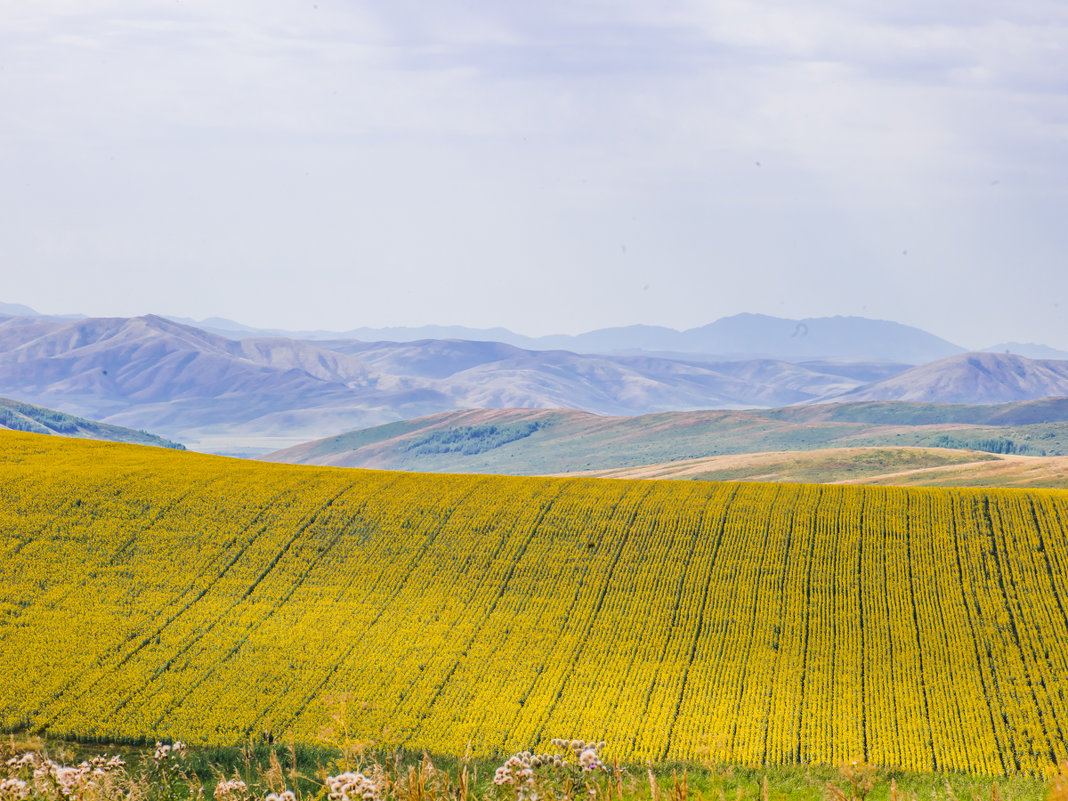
[
  {"x": 165, "y": 752},
  {"x": 13, "y": 789},
  {"x": 518, "y": 772},
  {"x": 230, "y": 789},
  {"x": 22, "y": 761},
  {"x": 589, "y": 760},
  {"x": 351, "y": 786},
  {"x": 50, "y": 778}
]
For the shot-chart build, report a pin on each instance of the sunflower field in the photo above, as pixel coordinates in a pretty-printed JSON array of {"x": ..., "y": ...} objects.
[{"x": 148, "y": 594}]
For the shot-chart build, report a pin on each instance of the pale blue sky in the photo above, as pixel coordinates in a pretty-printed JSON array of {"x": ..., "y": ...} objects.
[{"x": 548, "y": 167}]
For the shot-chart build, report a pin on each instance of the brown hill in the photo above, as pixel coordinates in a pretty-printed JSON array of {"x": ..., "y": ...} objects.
[
  {"x": 905, "y": 467},
  {"x": 552, "y": 441}
]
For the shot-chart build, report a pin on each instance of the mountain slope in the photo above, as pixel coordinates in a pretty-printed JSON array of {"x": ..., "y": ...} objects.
[
  {"x": 971, "y": 378},
  {"x": 1028, "y": 349},
  {"x": 833, "y": 338},
  {"x": 16, "y": 310},
  {"x": 258, "y": 394},
  {"x": 232, "y": 395},
  {"x": 16, "y": 416}
]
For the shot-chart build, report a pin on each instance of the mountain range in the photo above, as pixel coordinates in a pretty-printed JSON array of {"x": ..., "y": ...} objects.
[
  {"x": 741, "y": 336},
  {"x": 971, "y": 378},
  {"x": 252, "y": 395}
]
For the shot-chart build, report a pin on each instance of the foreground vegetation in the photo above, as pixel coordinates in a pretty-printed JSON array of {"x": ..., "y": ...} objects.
[
  {"x": 34, "y": 770},
  {"x": 149, "y": 594}
]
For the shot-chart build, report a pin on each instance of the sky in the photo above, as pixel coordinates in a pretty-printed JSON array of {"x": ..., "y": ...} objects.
[{"x": 550, "y": 167}]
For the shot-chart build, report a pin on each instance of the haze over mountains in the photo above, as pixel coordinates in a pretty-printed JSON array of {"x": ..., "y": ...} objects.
[
  {"x": 971, "y": 378},
  {"x": 740, "y": 336},
  {"x": 258, "y": 393}
]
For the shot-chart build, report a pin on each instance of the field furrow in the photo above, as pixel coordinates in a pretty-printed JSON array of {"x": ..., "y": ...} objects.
[{"x": 149, "y": 594}]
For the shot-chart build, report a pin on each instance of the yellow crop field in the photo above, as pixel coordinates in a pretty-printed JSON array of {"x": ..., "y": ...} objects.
[{"x": 150, "y": 594}]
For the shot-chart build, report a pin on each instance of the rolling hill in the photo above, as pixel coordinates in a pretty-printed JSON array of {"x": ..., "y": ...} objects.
[
  {"x": 254, "y": 395},
  {"x": 150, "y": 594},
  {"x": 539, "y": 442},
  {"x": 16, "y": 416},
  {"x": 251, "y": 394},
  {"x": 898, "y": 467}
]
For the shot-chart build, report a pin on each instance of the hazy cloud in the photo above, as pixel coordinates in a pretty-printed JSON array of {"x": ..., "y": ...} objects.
[{"x": 339, "y": 164}]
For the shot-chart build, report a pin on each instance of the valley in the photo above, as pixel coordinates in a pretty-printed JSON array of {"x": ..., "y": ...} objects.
[{"x": 250, "y": 396}]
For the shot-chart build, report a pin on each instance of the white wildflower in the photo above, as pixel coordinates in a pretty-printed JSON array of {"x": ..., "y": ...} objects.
[
  {"x": 351, "y": 786},
  {"x": 49, "y": 778},
  {"x": 13, "y": 790},
  {"x": 230, "y": 789},
  {"x": 165, "y": 752},
  {"x": 22, "y": 761},
  {"x": 589, "y": 760}
]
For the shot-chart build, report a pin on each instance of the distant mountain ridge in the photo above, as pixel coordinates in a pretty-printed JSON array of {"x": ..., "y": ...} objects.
[
  {"x": 751, "y": 336},
  {"x": 19, "y": 310},
  {"x": 971, "y": 378},
  {"x": 205, "y": 389},
  {"x": 739, "y": 337},
  {"x": 251, "y": 395},
  {"x": 16, "y": 310},
  {"x": 1028, "y": 349}
]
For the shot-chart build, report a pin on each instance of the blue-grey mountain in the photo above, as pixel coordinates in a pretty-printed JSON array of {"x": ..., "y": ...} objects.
[
  {"x": 255, "y": 394},
  {"x": 249, "y": 395}
]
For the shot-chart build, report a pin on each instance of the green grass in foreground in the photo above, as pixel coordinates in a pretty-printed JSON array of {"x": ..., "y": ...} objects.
[{"x": 256, "y": 771}]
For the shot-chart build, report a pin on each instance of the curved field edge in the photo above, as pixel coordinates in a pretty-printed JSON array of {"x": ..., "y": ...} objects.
[
  {"x": 149, "y": 594},
  {"x": 892, "y": 466}
]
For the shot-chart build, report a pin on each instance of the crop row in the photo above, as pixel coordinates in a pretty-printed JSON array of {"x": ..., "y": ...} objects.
[{"x": 148, "y": 594}]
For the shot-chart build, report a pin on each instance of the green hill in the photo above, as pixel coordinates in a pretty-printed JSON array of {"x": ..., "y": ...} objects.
[
  {"x": 555, "y": 441},
  {"x": 16, "y": 416}
]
